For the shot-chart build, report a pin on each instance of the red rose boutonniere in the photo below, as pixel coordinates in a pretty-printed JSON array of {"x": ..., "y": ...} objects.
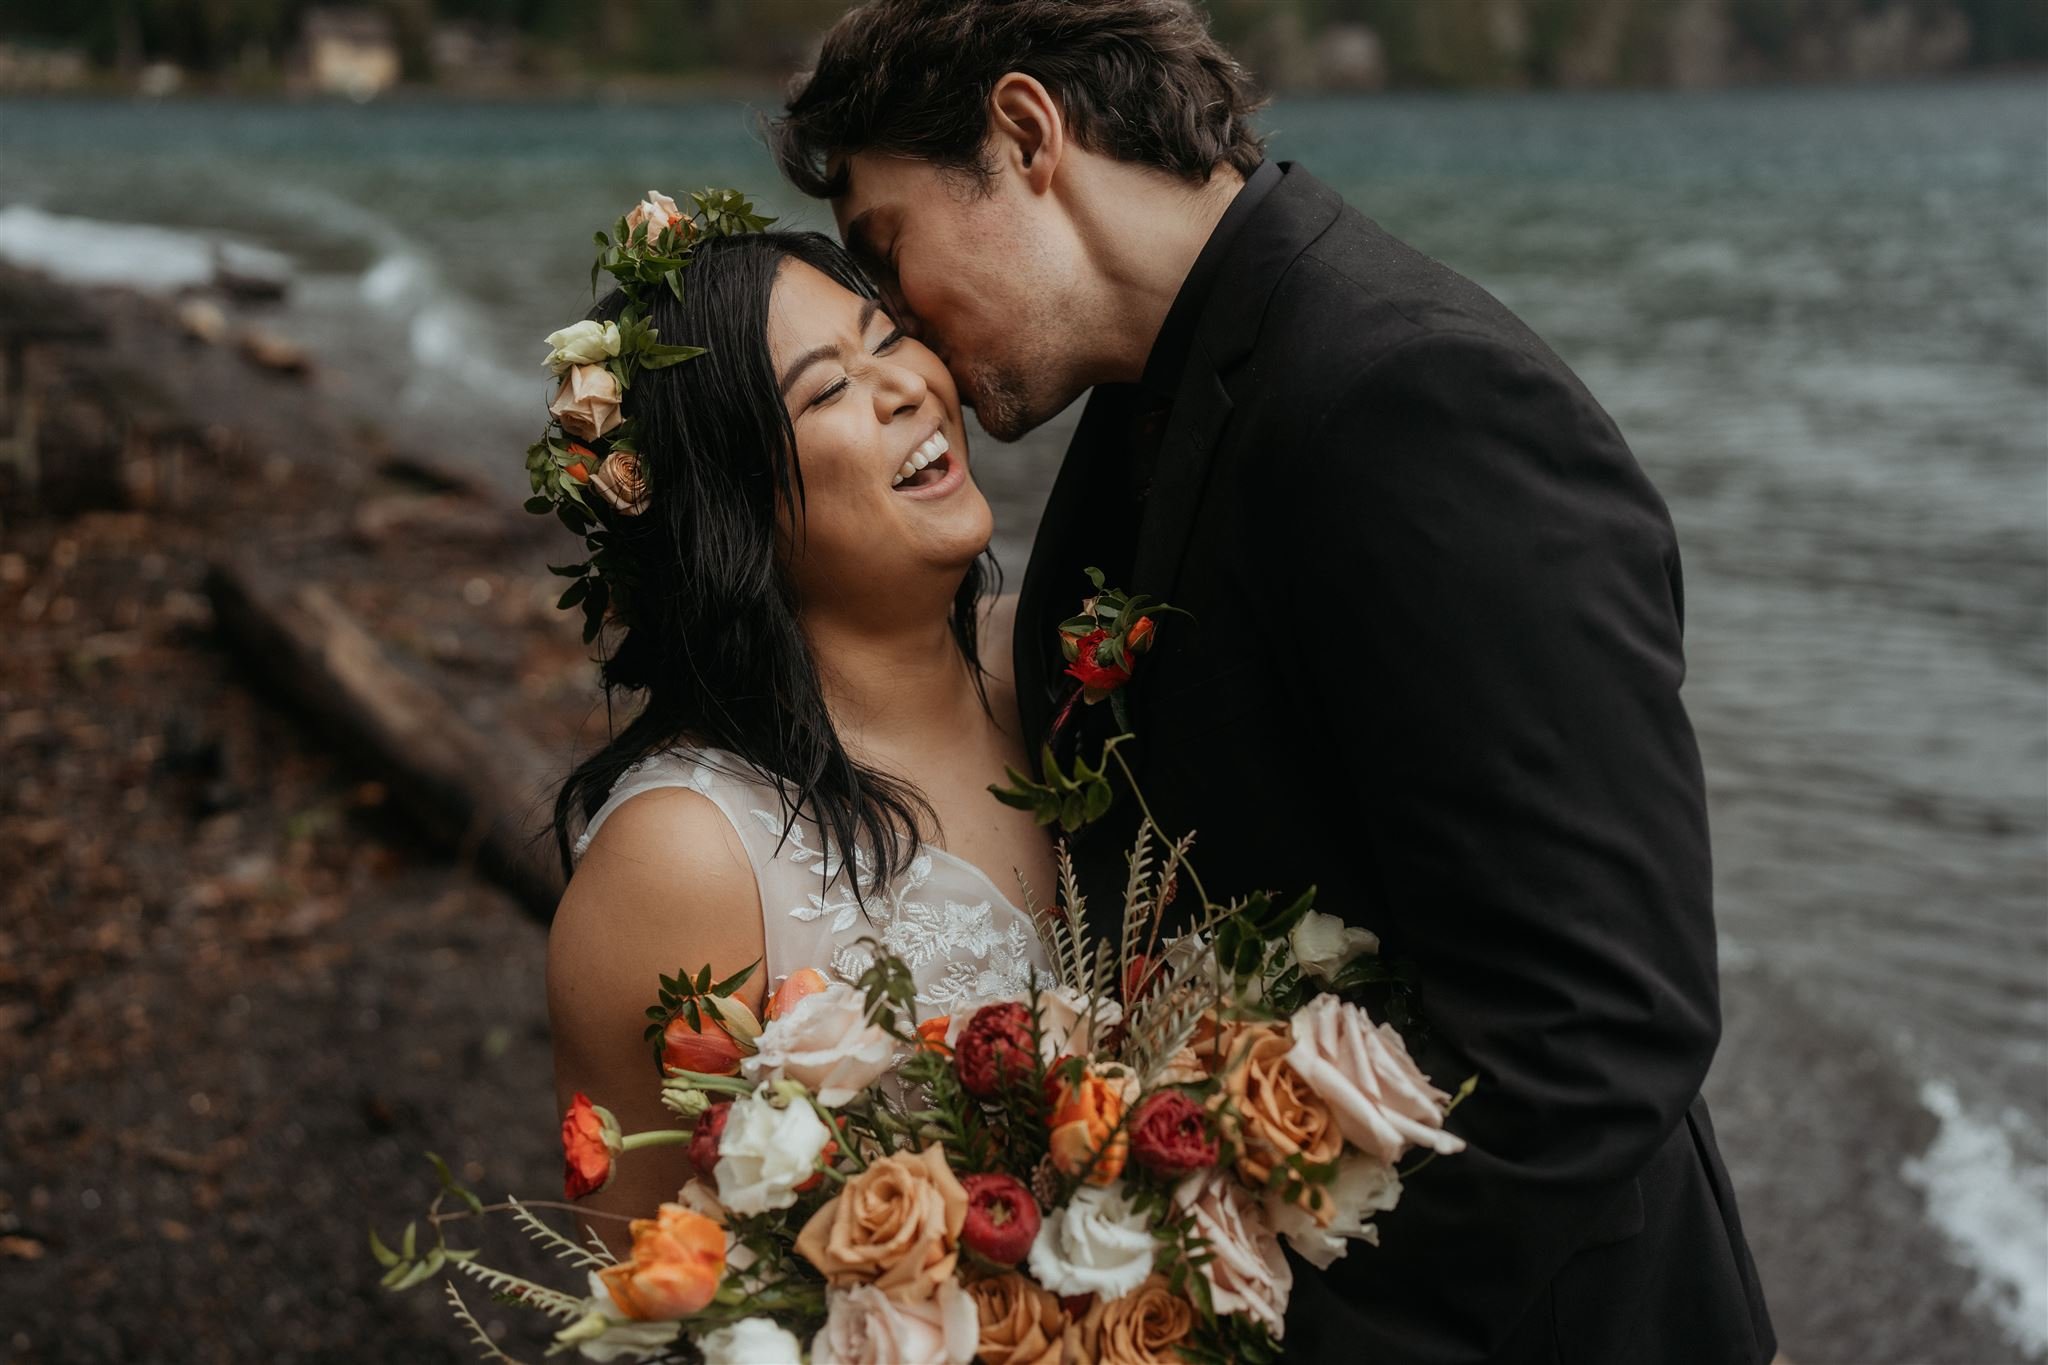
[{"x": 1104, "y": 642}]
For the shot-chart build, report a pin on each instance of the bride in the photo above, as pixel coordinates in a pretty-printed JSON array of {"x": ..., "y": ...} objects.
[{"x": 808, "y": 589}]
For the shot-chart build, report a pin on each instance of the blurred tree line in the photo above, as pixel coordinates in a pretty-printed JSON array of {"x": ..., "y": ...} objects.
[{"x": 1413, "y": 42}]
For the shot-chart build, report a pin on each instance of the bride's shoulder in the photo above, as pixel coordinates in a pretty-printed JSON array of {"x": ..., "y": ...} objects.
[{"x": 653, "y": 843}]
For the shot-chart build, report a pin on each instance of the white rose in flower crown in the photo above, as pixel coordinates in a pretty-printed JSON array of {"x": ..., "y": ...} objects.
[
  {"x": 1383, "y": 1103},
  {"x": 1324, "y": 945},
  {"x": 587, "y": 404},
  {"x": 1248, "y": 1274},
  {"x": 658, "y": 211},
  {"x": 1364, "y": 1186},
  {"x": 1097, "y": 1244},
  {"x": 751, "y": 1341},
  {"x": 864, "y": 1326},
  {"x": 825, "y": 1042},
  {"x": 582, "y": 343},
  {"x": 765, "y": 1152}
]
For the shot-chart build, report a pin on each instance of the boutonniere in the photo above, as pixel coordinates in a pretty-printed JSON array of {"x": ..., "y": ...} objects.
[{"x": 1102, "y": 646}]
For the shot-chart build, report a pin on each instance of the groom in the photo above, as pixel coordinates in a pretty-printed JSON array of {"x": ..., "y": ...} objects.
[{"x": 1435, "y": 662}]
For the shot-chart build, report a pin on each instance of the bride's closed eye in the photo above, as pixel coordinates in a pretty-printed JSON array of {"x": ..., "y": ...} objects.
[{"x": 837, "y": 386}]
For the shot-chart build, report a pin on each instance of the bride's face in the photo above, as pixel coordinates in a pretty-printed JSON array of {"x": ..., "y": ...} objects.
[{"x": 868, "y": 403}]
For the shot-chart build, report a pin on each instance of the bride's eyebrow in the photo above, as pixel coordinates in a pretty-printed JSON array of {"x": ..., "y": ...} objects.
[{"x": 830, "y": 351}]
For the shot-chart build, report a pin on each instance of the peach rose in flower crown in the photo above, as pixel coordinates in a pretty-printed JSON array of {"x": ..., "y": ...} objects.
[
  {"x": 621, "y": 482},
  {"x": 587, "y": 404},
  {"x": 895, "y": 1225},
  {"x": 1382, "y": 1102},
  {"x": 658, "y": 211}
]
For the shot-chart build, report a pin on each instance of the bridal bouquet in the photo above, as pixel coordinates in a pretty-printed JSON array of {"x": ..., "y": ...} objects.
[{"x": 1104, "y": 1169}]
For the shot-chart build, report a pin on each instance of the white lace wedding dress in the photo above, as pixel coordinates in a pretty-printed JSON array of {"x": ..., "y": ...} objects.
[{"x": 964, "y": 940}]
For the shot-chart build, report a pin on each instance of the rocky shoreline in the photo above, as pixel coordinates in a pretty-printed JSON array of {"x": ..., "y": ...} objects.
[{"x": 280, "y": 705}]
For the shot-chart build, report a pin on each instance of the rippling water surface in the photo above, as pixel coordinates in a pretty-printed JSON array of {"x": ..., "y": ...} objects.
[{"x": 1820, "y": 317}]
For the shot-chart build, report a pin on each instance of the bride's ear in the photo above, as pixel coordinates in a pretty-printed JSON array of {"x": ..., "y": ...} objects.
[{"x": 1026, "y": 131}]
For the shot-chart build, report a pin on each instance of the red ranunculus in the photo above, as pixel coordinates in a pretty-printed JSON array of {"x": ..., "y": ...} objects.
[
  {"x": 1002, "y": 1217},
  {"x": 590, "y": 1137},
  {"x": 996, "y": 1041},
  {"x": 1096, "y": 677},
  {"x": 1170, "y": 1136},
  {"x": 703, "y": 1148}
]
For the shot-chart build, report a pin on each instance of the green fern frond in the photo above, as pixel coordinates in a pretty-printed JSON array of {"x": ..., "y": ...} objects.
[
  {"x": 562, "y": 1246},
  {"x": 477, "y": 1333},
  {"x": 553, "y": 1302}
]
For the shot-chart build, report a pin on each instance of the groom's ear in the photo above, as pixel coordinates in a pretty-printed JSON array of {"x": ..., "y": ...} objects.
[{"x": 1026, "y": 130}]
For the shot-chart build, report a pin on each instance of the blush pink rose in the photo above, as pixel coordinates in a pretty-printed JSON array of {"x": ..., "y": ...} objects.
[
  {"x": 1247, "y": 1271},
  {"x": 587, "y": 404},
  {"x": 864, "y": 1326},
  {"x": 1383, "y": 1103}
]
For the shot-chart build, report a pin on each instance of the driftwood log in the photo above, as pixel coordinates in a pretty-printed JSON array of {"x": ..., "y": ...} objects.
[{"x": 475, "y": 793}]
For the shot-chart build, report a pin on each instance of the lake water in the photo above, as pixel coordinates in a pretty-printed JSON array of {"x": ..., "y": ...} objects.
[{"x": 1820, "y": 317}]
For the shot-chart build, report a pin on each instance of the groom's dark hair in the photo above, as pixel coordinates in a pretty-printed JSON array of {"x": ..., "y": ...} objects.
[{"x": 1139, "y": 80}]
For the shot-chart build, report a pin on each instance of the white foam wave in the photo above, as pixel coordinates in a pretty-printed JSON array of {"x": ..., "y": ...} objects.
[
  {"x": 1993, "y": 1208},
  {"x": 142, "y": 256}
]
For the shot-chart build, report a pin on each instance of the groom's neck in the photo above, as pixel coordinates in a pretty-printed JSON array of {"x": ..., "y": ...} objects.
[{"x": 1141, "y": 231}]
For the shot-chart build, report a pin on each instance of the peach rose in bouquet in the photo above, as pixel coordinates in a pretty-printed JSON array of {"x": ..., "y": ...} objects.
[
  {"x": 1143, "y": 1327},
  {"x": 895, "y": 1225},
  {"x": 865, "y": 1326},
  {"x": 1021, "y": 1323},
  {"x": 1269, "y": 1110}
]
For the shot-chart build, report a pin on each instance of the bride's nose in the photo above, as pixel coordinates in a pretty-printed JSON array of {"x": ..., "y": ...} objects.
[{"x": 899, "y": 390}]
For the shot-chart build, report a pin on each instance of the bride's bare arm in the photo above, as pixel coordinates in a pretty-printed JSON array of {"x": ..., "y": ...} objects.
[{"x": 664, "y": 886}]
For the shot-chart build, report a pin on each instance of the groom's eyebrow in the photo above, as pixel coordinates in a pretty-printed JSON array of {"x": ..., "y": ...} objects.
[{"x": 868, "y": 308}]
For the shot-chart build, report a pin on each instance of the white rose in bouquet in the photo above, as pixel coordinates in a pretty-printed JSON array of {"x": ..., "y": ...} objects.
[
  {"x": 1097, "y": 1244},
  {"x": 1249, "y": 1274},
  {"x": 825, "y": 1042},
  {"x": 1383, "y": 1103},
  {"x": 751, "y": 1341},
  {"x": 582, "y": 343},
  {"x": 1324, "y": 945},
  {"x": 1364, "y": 1186},
  {"x": 864, "y": 1326},
  {"x": 765, "y": 1152}
]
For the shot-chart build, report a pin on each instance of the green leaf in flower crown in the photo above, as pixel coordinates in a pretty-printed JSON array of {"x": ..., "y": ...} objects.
[
  {"x": 661, "y": 357},
  {"x": 569, "y": 570},
  {"x": 539, "y": 504},
  {"x": 573, "y": 594}
]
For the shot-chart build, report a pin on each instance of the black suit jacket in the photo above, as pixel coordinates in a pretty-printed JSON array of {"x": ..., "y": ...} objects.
[{"x": 1435, "y": 672}]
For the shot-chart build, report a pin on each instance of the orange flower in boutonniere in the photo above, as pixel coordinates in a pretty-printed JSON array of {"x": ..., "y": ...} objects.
[{"x": 1102, "y": 645}]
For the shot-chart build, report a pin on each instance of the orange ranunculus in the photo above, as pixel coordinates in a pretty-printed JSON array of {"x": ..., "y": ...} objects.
[
  {"x": 794, "y": 987},
  {"x": 931, "y": 1035},
  {"x": 678, "y": 1260},
  {"x": 1085, "y": 1114},
  {"x": 590, "y": 1139}
]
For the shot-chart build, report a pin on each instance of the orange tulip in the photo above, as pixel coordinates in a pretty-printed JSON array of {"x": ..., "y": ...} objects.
[
  {"x": 1140, "y": 638},
  {"x": 794, "y": 987},
  {"x": 1084, "y": 1115},
  {"x": 931, "y": 1035},
  {"x": 678, "y": 1260}
]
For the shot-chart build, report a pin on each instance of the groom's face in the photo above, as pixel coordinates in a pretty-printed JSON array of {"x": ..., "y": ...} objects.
[{"x": 971, "y": 272}]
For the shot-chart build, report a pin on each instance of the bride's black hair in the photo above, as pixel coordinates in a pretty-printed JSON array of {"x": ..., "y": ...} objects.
[{"x": 714, "y": 645}]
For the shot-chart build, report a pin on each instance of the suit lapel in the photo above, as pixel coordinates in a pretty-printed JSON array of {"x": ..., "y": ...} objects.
[{"x": 1053, "y": 585}]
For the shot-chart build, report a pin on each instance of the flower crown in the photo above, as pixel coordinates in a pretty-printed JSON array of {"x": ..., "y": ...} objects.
[{"x": 588, "y": 444}]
